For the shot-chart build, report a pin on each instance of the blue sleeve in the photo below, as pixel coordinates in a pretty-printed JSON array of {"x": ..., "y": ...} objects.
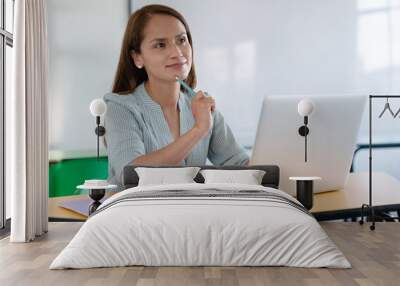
[
  {"x": 223, "y": 148},
  {"x": 124, "y": 138}
]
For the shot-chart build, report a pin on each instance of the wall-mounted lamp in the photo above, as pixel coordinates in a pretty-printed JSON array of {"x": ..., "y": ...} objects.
[
  {"x": 305, "y": 108},
  {"x": 98, "y": 108}
]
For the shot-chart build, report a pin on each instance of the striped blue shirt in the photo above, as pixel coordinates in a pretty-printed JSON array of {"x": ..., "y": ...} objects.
[{"x": 135, "y": 125}]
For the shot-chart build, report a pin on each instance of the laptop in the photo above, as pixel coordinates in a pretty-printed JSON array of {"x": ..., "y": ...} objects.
[{"x": 334, "y": 125}]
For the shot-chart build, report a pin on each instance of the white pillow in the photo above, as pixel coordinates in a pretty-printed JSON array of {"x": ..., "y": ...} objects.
[
  {"x": 162, "y": 176},
  {"x": 249, "y": 177}
]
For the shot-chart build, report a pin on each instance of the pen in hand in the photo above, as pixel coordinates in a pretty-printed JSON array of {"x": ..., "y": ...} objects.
[{"x": 189, "y": 89}]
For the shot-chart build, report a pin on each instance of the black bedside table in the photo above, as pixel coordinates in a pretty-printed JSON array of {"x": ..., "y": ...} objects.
[
  {"x": 304, "y": 190},
  {"x": 96, "y": 193}
]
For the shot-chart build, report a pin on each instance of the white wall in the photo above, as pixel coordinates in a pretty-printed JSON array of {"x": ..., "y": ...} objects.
[
  {"x": 243, "y": 51},
  {"x": 84, "y": 43}
]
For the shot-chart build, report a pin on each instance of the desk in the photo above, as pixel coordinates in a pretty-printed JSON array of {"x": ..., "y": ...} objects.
[
  {"x": 58, "y": 213},
  {"x": 340, "y": 204},
  {"x": 347, "y": 203}
]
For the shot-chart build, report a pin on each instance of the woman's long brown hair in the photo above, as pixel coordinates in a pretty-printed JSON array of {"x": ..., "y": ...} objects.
[{"x": 128, "y": 76}]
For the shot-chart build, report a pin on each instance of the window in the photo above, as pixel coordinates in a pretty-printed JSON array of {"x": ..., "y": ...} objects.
[
  {"x": 6, "y": 44},
  {"x": 379, "y": 35}
]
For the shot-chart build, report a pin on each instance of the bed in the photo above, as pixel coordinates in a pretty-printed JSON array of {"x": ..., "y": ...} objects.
[{"x": 201, "y": 224}]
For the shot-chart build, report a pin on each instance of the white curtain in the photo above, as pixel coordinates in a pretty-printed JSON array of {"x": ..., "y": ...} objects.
[{"x": 27, "y": 120}]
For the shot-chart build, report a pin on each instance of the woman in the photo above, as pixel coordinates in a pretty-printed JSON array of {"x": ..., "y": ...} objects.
[{"x": 149, "y": 119}]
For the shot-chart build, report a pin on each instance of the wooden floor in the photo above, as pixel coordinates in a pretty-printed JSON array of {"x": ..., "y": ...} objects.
[{"x": 374, "y": 255}]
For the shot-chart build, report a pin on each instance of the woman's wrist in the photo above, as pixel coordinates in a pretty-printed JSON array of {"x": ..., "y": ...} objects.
[{"x": 200, "y": 133}]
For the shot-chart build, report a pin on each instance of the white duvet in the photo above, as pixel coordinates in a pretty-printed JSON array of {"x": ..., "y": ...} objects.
[{"x": 183, "y": 231}]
